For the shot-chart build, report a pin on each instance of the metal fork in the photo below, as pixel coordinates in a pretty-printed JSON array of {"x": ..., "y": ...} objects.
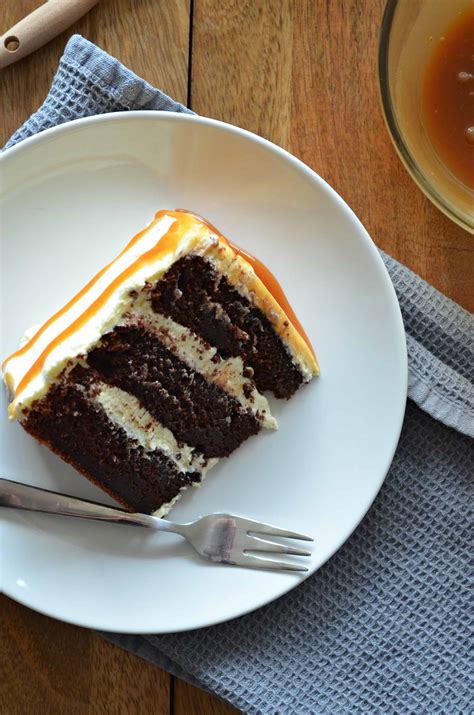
[{"x": 221, "y": 538}]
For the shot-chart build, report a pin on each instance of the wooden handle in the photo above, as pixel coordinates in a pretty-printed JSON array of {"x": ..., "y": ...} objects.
[{"x": 41, "y": 26}]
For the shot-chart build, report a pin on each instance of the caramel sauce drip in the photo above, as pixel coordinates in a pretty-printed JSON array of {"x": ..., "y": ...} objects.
[
  {"x": 265, "y": 275},
  {"x": 71, "y": 302}
]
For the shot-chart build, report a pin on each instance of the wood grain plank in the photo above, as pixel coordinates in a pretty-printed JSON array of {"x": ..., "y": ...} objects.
[
  {"x": 303, "y": 73},
  {"x": 150, "y": 37},
  {"x": 242, "y": 64},
  {"x": 50, "y": 667}
]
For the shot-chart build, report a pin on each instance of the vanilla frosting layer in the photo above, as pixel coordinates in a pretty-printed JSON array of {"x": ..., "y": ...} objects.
[
  {"x": 165, "y": 508},
  {"x": 125, "y": 411},
  {"x": 191, "y": 349},
  {"x": 101, "y": 304}
]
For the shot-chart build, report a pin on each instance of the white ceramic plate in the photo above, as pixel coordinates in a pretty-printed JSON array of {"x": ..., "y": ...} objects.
[{"x": 73, "y": 196}]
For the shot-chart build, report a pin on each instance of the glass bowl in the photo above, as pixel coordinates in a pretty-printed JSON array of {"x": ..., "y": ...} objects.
[{"x": 409, "y": 30}]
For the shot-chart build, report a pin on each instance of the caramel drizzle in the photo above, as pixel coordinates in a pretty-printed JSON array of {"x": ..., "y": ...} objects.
[
  {"x": 265, "y": 275},
  {"x": 74, "y": 299},
  {"x": 167, "y": 244}
]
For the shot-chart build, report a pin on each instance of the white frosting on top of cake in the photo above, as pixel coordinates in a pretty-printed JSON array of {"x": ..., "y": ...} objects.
[{"x": 88, "y": 334}]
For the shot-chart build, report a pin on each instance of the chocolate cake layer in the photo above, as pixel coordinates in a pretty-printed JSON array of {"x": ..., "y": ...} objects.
[
  {"x": 70, "y": 424},
  {"x": 194, "y": 294},
  {"x": 197, "y": 412}
]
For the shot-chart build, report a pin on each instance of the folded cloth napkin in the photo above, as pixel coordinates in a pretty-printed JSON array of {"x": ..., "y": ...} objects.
[{"x": 384, "y": 626}]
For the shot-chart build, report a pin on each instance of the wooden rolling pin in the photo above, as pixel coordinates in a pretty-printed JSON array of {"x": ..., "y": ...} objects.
[{"x": 39, "y": 27}]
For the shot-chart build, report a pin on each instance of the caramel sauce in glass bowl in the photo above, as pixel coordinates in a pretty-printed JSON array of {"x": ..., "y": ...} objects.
[
  {"x": 447, "y": 100},
  {"x": 426, "y": 63}
]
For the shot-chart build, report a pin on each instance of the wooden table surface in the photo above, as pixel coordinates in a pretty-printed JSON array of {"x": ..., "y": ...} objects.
[{"x": 303, "y": 74}]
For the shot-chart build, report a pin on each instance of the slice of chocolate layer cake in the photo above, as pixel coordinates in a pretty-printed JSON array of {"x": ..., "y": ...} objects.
[{"x": 156, "y": 368}]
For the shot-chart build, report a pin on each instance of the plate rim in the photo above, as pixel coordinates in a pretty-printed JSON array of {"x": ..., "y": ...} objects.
[{"x": 362, "y": 234}]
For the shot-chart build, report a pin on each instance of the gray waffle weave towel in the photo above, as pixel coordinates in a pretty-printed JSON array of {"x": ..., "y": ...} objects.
[{"x": 385, "y": 626}]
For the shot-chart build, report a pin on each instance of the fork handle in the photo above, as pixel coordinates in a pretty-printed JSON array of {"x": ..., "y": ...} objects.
[{"x": 28, "y": 498}]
